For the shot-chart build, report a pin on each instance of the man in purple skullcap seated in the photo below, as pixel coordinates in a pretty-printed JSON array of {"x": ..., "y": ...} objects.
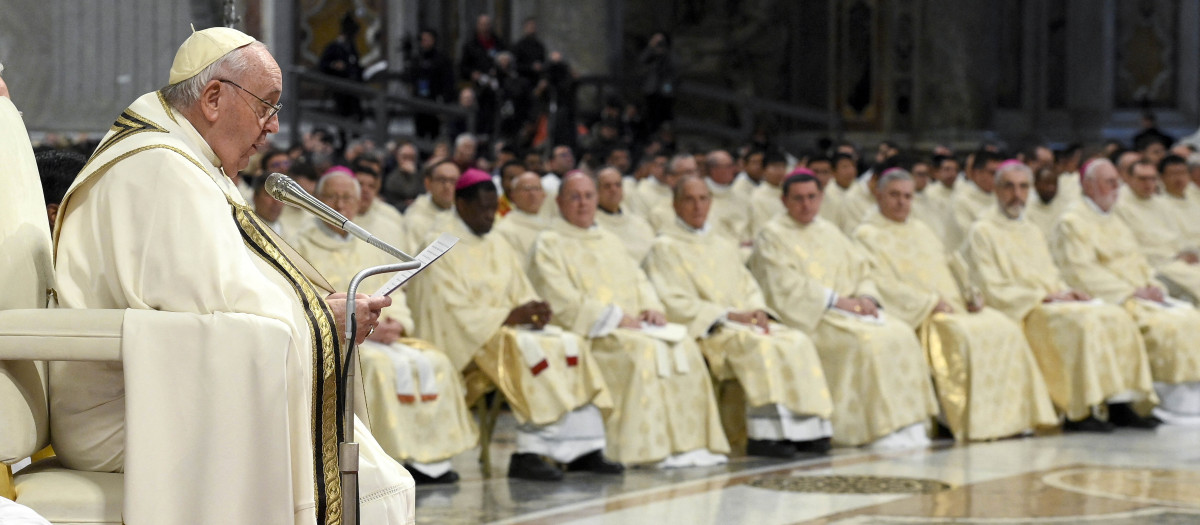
[{"x": 477, "y": 304}]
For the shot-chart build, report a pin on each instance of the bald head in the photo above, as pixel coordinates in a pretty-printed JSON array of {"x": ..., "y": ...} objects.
[
  {"x": 340, "y": 191},
  {"x": 526, "y": 192},
  {"x": 692, "y": 201},
  {"x": 577, "y": 200},
  {"x": 721, "y": 168},
  {"x": 610, "y": 193}
]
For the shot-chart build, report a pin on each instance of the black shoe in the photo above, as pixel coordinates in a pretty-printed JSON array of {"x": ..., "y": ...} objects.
[
  {"x": 422, "y": 478},
  {"x": 1088, "y": 424},
  {"x": 770, "y": 449},
  {"x": 1122, "y": 415},
  {"x": 595, "y": 461},
  {"x": 814, "y": 446},
  {"x": 532, "y": 467}
]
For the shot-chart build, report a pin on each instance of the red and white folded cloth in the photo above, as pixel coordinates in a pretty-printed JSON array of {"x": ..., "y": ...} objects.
[{"x": 414, "y": 372}]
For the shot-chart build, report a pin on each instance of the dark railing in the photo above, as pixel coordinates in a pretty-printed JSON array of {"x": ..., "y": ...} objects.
[
  {"x": 748, "y": 110},
  {"x": 310, "y": 90},
  {"x": 379, "y": 106}
]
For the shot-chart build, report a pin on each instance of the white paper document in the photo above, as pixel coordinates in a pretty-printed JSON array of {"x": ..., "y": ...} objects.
[{"x": 436, "y": 249}]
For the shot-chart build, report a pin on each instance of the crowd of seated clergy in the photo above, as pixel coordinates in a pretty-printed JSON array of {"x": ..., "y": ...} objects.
[{"x": 653, "y": 314}]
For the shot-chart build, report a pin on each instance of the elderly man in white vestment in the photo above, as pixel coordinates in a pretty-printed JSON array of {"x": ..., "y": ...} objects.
[
  {"x": 987, "y": 380},
  {"x": 633, "y": 230},
  {"x": 706, "y": 288},
  {"x": 433, "y": 208},
  {"x": 1159, "y": 230},
  {"x": 818, "y": 281},
  {"x": 1099, "y": 255},
  {"x": 154, "y": 222},
  {"x": 1089, "y": 352},
  {"x": 378, "y": 217},
  {"x": 523, "y": 224},
  {"x": 663, "y": 405},
  {"x": 415, "y": 396},
  {"x": 478, "y": 304}
]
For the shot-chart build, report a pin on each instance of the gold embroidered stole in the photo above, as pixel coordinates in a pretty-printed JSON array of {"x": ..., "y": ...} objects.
[{"x": 327, "y": 420}]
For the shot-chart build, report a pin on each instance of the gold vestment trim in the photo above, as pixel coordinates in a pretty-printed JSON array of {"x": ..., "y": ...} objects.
[{"x": 326, "y": 423}]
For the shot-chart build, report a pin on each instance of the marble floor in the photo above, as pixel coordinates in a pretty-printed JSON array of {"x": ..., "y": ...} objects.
[{"x": 1127, "y": 477}]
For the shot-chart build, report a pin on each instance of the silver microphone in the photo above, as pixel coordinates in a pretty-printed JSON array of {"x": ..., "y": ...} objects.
[{"x": 285, "y": 190}]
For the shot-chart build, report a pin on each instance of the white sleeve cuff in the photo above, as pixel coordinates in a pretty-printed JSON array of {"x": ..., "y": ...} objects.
[
  {"x": 831, "y": 298},
  {"x": 609, "y": 320}
]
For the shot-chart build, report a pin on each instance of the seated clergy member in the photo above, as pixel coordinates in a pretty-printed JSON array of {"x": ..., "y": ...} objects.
[
  {"x": 414, "y": 395},
  {"x": 378, "y": 217},
  {"x": 765, "y": 203},
  {"x": 524, "y": 222},
  {"x": 1183, "y": 203},
  {"x": 705, "y": 287},
  {"x": 1099, "y": 255},
  {"x": 973, "y": 196},
  {"x": 1159, "y": 231},
  {"x": 663, "y": 405},
  {"x": 730, "y": 213},
  {"x": 987, "y": 381},
  {"x": 434, "y": 207},
  {"x": 818, "y": 281},
  {"x": 477, "y": 303},
  {"x": 635, "y": 233},
  {"x": 1089, "y": 352},
  {"x": 655, "y": 190}
]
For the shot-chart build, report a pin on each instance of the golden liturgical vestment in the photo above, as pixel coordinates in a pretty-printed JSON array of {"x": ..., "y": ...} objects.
[
  {"x": 422, "y": 428},
  {"x": 461, "y": 304},
  {"x": 153, "y": 223},
  {"x": 700, "y": 278},
  {"x": 987, "y": 380},
  {"x": 662, "y": 396},
  {"x": 1087, "y": 351},
  {"x": 875, "y": 368},
  {"x": 1159, "y": 231},
  {"x": 1099, "y": 255}
]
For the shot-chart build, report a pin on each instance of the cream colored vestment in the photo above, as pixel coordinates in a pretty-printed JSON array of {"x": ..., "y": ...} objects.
[
  {"x": 461, "y": 304},
  {"x": 635, "y": 233},
  {"x": 875, "y": 368},
  {"x": 1099, "y": 255},
  {"x": 520, "y": 230},
  {"x": 152, "y": 223},
  {"x": 414, "y": 428},
  {"x": 1159, "y": 231},
  {"x": 1087, "y": 351},
  {"x": 663, "y": 400},
  {"x": 699, "y": 279},
  {"x": 987, "y": 380}
]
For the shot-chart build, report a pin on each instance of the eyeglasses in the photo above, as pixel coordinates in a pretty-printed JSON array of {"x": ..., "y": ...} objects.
[{"x": 274, "y": 108}]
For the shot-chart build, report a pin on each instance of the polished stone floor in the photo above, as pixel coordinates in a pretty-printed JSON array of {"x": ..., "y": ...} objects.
[{"x": 1128, "y": 477}]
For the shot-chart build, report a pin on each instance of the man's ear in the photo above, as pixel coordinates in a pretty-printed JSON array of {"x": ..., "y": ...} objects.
[{"x": 210, "y": 98}]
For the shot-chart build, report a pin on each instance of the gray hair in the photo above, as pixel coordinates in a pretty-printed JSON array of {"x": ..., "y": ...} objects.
[
  {"x": 679, "y": 157},
  {"x": 186, "y": 92},
  {"x": 463, "y": 138},
  {"x": 1013, "y": 166},
  {"x": 890, "y": 176},
  {"x": 325, "y": 178},
  {"x": 1093, "y": 165}
]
